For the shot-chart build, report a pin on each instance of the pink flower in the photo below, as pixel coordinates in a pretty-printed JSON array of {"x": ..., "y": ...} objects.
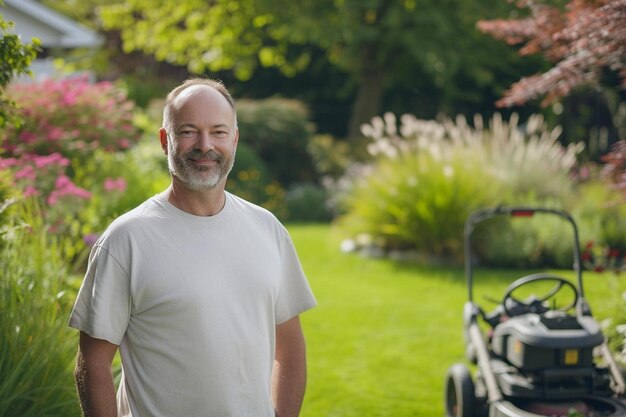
[
  {"x": 69, "y": 98},
  {"x": 30, "y": 191},
  {"x": 27, "y": 137},
  {"x": 27, "y": 173},
  {"x": 65, "y": 187},
  {"x": 7, "y": 163},
  {"x": 112, "y": 184},
  {"x": 55, "y": 133},
  {"x": 123, "y": 143},
  {"x": 63, "y": 182},
  {"x": 52, "y": 159},
  {"x": 53, "y": 198}
]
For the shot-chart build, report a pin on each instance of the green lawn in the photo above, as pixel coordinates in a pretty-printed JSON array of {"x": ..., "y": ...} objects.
[{"x": 383, "y": 335}]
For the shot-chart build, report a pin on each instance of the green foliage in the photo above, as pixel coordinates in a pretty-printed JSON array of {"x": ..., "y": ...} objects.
[
  {"x": 524, "y": 243},
  {"x": 426, "y": 177},
  {"x": 36, "y": 354},
  {"x": 272, "y": 156},
  {"x": 250, "y": 180},
  {"x": 603, "y": 217},
  {"x": 416, "y": 202},
  {"x": 306, "y": 202},
  {"x": 15, "y": 58},
  {"x": 190, "y": 33},
  {"x": 615, "y": 323},
  {"x": 8, "y": 196},
  {"x": 278, "y": 131},
  {"x": 330, "y": 157},
  {"x": 122, "y": 180},
  {"x": 245, "y": 34},
  {"x": 419, "y": 56}
]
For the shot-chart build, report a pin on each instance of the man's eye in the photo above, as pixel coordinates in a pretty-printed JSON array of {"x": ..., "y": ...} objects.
[{"x": 186, "y": 133}]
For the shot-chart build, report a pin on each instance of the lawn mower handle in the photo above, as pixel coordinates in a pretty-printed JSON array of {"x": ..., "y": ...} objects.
[{"x": 488, "y": 213}]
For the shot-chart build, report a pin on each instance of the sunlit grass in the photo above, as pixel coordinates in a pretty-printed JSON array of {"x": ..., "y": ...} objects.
[{"x": 383, "y": 335}]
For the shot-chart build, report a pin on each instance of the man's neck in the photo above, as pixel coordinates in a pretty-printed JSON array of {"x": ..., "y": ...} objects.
[{"x": 198, "y": 203}]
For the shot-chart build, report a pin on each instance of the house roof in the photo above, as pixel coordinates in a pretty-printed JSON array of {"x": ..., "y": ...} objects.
[{"x": 54, "y": 30}]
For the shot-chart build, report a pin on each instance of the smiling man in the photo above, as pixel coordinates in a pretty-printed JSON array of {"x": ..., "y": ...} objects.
[{"x": 199, "y": 289}]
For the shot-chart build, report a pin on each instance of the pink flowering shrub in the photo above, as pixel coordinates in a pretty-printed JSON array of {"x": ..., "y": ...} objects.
[
  {"x": 71, "y": 116},
  {"x": 66, "y": 125},
  {"x": 45, "y": 177}
]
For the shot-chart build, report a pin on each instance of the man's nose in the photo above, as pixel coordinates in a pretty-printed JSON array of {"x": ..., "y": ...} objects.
[{"x": 205, "y": 142}]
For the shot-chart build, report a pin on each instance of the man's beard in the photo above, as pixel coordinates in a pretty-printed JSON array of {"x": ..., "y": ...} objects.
[{"x": 199, "y": 178}]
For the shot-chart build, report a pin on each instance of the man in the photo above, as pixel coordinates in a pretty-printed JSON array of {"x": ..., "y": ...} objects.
[{"x": 199, "y": 289}]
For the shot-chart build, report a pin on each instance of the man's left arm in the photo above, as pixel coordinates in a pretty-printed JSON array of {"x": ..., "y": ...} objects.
[{"x": 289, "y": 372}]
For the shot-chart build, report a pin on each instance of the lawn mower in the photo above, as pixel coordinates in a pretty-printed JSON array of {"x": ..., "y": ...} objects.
[{"x": 534, "y": 354}]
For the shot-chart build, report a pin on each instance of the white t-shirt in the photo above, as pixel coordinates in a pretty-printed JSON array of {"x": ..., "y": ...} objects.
[{"x": 193, "y": 303}]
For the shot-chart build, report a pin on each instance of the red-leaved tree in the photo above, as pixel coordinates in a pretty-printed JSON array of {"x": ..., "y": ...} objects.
[{"x": 583, "y": 40}]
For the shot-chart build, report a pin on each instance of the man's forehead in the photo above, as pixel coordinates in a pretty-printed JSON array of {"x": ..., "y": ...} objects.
[{"x": 196, "y": 91}]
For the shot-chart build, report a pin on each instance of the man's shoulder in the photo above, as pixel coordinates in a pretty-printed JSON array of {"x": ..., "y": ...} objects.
[
  {"x": 256, "y": 214},
  {"x": 136, "y": 219},
  {"x": 247, "y": 207}
]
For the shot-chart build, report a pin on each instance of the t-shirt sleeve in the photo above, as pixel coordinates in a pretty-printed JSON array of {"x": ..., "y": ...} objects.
[
  {"x": 294, "y": 295},
  {"x": 102, "y": 307}
]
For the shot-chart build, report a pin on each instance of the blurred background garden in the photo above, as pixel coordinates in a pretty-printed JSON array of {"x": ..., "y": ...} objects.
[{"x": 370, "y": 128}]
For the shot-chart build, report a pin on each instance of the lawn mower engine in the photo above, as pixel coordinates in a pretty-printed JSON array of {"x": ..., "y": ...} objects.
[{"x": 548, "y": 356}]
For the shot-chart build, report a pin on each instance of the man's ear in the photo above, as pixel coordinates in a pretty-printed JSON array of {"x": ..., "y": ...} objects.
[{"x": 163, "y": 139}]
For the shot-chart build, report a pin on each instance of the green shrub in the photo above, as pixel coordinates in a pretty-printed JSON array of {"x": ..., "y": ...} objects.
[
  {"x": 16, "y": 58},
  {"x": 427, "y": 176},
  {"x": 36, "y": 351},
  {"x": 250, "y": 179},
  {"x": 278, "y": 131},
  {"x": 614, "y": 327},
  {"x": 598, "y": 206},
  {"x": 525, "y": 242},
  {"x": 417, "y": 201},
  {"x": 330, "y": 157},
  {"x": 307, "y": 203},
  {"x": 602, "y": 217}
]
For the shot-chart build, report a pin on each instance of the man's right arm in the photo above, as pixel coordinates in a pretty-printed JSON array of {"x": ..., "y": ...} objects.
[{"x": 93, "y": 376}]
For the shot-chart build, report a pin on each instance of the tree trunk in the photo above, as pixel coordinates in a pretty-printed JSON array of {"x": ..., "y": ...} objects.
[{"x": 368, "y": 100}]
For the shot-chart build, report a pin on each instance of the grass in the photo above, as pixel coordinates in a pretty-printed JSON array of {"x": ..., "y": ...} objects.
[
  {"x": 36, "y": 357},
  {"x": 383, "y": 335}
]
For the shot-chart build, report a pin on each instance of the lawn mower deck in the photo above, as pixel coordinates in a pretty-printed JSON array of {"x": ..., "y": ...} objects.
[{"x": 535, "y": 359}]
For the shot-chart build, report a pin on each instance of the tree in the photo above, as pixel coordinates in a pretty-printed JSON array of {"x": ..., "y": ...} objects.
[
  {"x": 418, "y": 46},
  {"x": 584, "y": 41},
  {"x": 587, "y": 38},
  {"x": 15, "y": 58}
]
